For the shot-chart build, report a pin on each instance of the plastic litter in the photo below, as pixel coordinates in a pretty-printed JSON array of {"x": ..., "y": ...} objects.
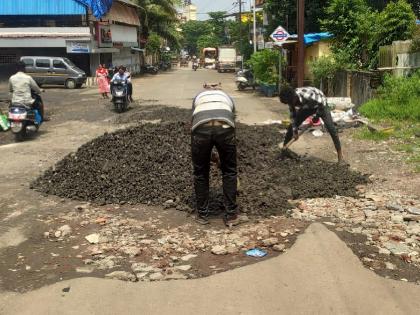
[
  {"x": 256, "y": 252},
  {"x": 317, "y": 133}
]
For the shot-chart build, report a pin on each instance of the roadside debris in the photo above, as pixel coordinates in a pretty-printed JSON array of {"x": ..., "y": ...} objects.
[{"x": 256, "y": 252}]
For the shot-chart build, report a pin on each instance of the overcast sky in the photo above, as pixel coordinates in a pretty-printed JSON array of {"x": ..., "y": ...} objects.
[{"x": 204, "y": 6}]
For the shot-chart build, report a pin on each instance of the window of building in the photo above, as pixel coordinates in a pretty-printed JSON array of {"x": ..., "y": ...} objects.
[
  {"x": 28, "y": 62},
  {"x": 58, "y": 64},
  {"x": 43, "y": 63},
  {"x": 7, "y": 59}
]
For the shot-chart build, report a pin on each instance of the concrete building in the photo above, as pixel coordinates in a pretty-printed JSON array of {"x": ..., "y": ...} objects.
[
  {"x": 67, "y": 28},
  {"x": 189, "y": 13}
]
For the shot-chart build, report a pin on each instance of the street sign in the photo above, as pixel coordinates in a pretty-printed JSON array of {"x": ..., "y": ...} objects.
[{"x": 280, "y": 35}]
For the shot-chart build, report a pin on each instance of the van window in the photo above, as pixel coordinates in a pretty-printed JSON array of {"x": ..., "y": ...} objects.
[
  {"x": 28, "y": 62},
  {"x": 43, "y": 63},
  {"x": 59, "y": 64}
]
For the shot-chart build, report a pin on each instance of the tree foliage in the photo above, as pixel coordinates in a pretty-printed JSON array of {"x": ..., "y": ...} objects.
[
  {"x": 210, "y": 33},
  {"x": 359, "y": 30},
  {"x": 192, "y": 31},
  {"x": 283, "y": 12},
  {"x": 208, "y": 40},
  {"x": 153, "y": 43},
  {"x": 160, "y": 17},
  {"x": 265, "y": 65}
]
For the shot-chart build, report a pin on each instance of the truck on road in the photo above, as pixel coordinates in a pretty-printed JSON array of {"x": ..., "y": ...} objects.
[{"x": 226, "y": 59}]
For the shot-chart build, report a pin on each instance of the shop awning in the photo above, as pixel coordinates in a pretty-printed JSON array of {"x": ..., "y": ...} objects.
[{"x": 123, "y": 14}]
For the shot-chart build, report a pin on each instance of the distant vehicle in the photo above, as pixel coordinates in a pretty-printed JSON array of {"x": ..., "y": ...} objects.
[
  {"x": 209, "y": 57},
  {"x": 54, "y": 71},
  {"x": 148, "y": 68},
  {"x": 226, "y": 60},
  {"x": 244, "y": 79}
]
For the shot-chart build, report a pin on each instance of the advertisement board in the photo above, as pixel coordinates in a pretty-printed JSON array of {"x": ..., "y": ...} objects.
[
  {"x": 77, "y": 47},
  {"x": 104, "y": 35}
]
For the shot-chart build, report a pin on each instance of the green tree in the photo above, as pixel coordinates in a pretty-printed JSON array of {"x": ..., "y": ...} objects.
[
  {"x": 397, "y": 22},
  {"x": 191, "y": 32},
  {"x": 160, "y": 17},
  {"x": 208, "y": 40},
  {"x": 342, "y": 19},
  {"x": 153, "y": 43},
  {"x": 246, "y": 49},
  {"x": 219, "y": 24},
  {"x": 283, "y": 12}
]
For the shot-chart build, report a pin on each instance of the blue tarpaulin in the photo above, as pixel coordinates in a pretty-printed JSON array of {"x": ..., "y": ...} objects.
[
  {"x": 316, "y": 37},
  {"x": 99, "y": 8},
  {"x": 312, "y": 38}
]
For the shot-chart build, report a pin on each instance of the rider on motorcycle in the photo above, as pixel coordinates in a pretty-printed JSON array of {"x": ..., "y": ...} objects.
[
  {"x": 21, "y": 87},
  {"x": 124, "y": 75}
]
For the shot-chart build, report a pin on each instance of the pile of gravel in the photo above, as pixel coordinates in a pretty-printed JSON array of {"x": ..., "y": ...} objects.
[{"x": 151, "y": 164}]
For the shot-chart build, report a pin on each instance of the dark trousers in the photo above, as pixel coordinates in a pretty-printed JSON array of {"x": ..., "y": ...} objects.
[
  {"x": 130, "y": 89},
  {"x": 203, "y": 139},
  {"x": 325, "y": 114}
]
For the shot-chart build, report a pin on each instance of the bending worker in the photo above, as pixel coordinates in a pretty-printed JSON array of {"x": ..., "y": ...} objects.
[
  {"x": 213, "y": 125},
  {"x": 305, "y": 102}
]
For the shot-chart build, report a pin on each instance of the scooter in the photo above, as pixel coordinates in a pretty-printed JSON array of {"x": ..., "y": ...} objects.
[
  {"x": 150, "y": 69},
  {"x": 119, "y": 90},
  {"x": 195, "y": 66},
  {"x": 24, "y": 119},
  {"x": 244, "y": 79}
]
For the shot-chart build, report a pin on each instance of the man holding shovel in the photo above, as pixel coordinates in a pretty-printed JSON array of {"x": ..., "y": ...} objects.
[{"x": 303, "y": 103}]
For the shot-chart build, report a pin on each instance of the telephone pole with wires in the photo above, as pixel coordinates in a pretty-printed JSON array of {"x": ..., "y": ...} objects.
[{"x": 240, "y": 2}]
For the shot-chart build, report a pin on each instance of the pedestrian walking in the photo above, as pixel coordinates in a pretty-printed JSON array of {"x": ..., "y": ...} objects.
[
  {"x": 102, "y": 81},
  {"x": 213, "y": 125},
  {"x": 303, "y": 103}
]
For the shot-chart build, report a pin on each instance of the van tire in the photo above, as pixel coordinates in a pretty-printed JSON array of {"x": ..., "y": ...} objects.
[{"x": 70, "y": 84}]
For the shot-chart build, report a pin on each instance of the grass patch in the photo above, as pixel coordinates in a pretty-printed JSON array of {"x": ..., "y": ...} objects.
[
  {"x": 397, "y": 105},
  {"x": 365, "y": 134}
]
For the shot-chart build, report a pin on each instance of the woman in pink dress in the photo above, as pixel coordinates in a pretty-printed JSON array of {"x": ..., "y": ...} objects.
[{"x": 102, "y": 81}]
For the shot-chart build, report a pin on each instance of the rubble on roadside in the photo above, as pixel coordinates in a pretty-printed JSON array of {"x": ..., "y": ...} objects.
[{"x": 388, "y": 220}]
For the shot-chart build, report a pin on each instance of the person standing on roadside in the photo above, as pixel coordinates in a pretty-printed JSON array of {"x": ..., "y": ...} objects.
[
  {"x": 213, "y": 125},
  {"x": 102, "y": 81}
]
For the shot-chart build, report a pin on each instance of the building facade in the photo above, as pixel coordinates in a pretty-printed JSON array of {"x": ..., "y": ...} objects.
[
  {"x": 67, "y": 28},
  {"x": 189, "y": 13}
]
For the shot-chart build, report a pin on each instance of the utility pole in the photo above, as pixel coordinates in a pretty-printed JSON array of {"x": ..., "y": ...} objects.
[
  {"x": 301, "y": 43},
  {"x": 255, "y": 27},
  {"x": 240, "y": 33}
]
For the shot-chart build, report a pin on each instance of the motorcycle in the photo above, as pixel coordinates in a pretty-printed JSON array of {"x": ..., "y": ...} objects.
[
  {"x": 195, "y": 66},
  {"x": 150, "y": 69},
  {"x": 164, "y": 65},
  {"x": 24, "y": 119},
  {"x": 119, "y": 90},
  {"x": 244, "y": 79}
]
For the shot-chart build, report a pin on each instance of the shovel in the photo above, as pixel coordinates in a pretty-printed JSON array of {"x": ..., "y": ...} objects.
[{"x": 284, "y": 151}]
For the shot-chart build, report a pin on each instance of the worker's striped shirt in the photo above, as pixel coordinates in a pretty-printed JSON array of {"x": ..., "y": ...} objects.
[
  {"x": 310, "y": 99},
  {"x": 213, "y": 105}
]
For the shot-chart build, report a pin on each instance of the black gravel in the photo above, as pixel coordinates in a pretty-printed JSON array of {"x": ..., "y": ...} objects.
[{"x": 151, "y": 164}]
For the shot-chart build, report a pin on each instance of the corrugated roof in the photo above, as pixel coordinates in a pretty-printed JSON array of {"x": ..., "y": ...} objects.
[
  {"x": 41, "y": 7},
  {"x": 123, "y": 14}
]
